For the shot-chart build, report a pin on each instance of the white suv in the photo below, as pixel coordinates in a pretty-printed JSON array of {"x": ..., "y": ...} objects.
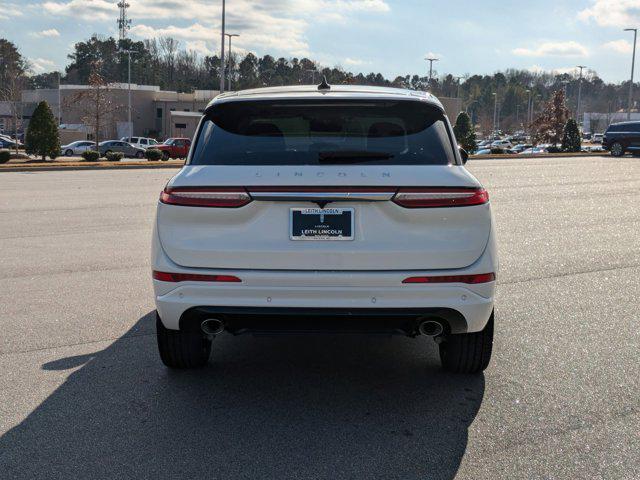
[
  {"x": 140, "y": 142},
  {"x": 325, "y": 209}
]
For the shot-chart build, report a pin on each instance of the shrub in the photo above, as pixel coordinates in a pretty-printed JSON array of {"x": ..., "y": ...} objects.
[
  {"x": 91, "y": 155},
  {"x": 114, "y": 156},
  {"x": 571, "y": 141},
  {"x": 5, "y": 156},
  {"x": 463, "y": 130},
  {"x": 42, "y": 134},
  {"x": 554, "y": 149},
  {"x": 153, "y": 154}
]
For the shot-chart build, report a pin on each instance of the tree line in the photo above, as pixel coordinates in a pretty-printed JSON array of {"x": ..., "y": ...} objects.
[{"x": 166, "y": 63}]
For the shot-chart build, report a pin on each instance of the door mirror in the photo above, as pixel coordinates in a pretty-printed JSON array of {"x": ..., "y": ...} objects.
[{"x": 464, "y": 155}]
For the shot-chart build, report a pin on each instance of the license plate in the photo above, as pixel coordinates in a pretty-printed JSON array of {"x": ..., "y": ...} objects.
[{"x": 321, "y": 224}]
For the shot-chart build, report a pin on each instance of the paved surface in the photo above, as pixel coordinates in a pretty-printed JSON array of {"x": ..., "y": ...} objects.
[{"x": 83, "y": 394}]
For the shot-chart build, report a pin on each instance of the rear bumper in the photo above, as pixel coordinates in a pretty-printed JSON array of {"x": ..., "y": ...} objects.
[{"x": 325, "y": 300}]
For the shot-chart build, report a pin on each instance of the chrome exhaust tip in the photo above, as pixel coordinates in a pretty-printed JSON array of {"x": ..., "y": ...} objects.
[
  {"x": 430, "y": 328},
  {"x": 212, "y": 326}
]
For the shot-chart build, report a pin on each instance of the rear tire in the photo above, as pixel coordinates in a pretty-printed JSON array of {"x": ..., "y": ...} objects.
[
  {"x": 179, "y": 349},
  {"x": 468, "y": 352},
  {"x": 165, "y": 156},
  {"x": 139, "y": 155},
  {"x": 617, "y": 149}
]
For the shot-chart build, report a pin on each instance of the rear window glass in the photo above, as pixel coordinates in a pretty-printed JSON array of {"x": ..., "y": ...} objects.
[{"x": 323, "y": 132}]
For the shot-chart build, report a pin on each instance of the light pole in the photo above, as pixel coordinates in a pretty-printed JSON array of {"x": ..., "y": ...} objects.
[
  {"x": 222, "y": 50},
  {"x": 129, "y": 124},
  {"x": 495, "y": 113},
  {"x": 633, "y": 64},
  {"x": 579, "y": 93},
  {"x": 458, "y": 80},
  {"x": 431, "y": 60},
  {"x": 230, "y": 36},
  {"x": 59, "y": 100},
  {"x": 529, "y": 109},
  {"x": 313, "y": 75}
]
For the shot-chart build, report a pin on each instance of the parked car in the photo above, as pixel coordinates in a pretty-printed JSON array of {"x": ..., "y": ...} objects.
[
  {"x": 76, "y": 148},
  {"x": 371, "y": 224},
  {"x": 502, "y": 144},
  {"x": 140, "y": 142},
  {"x": 175, "y": 148},
  {"x": 534, "y": 150},
  {"x": 9, "y": 143},
  {"x": 119, "y": 146},
  {"x": 520, "y": 147},
  {"x": 621, "y": 138},
  {"x": 483, "y": 151},
  {"x": 597, "y": 137}
]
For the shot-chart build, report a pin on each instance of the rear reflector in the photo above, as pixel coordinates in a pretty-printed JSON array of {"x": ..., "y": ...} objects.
[
  {"x": 192, "y": 277},
  {"x": 440, "y": 197},
  {"x": 473, "y": 279},
  {"x": 205, "y": 197}
]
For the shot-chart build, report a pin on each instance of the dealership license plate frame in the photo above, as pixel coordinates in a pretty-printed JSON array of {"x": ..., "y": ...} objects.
[{"x": 320, "y": 211}]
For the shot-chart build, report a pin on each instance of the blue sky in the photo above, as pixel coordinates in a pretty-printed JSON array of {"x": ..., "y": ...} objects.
[{"x": 388, "y": 36}]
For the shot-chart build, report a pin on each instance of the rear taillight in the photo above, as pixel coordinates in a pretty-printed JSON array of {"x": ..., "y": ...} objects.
[
  {"x": 205, "y": 197},
  {"x": 440, "y": 197},
  {"x": 472, "y": 279},
  {"x": 193, "y": 277}
]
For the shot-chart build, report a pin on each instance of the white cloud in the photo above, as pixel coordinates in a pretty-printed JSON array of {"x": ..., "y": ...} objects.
[
  {"x": 356, "y": 62},
  {"x": 619, "y": 46},
  {"x": 10, "y": 10},
  {"x": 553, "y": 49},
  {"x": 52, "y": 32},
  {"x": 278, "y": 26},
  {"x": 613, "y": 13},
  {"x": 39, "y": 65}
]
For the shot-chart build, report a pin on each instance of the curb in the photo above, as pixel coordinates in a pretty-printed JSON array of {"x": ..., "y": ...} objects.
[{"x": 48, "y": 167}]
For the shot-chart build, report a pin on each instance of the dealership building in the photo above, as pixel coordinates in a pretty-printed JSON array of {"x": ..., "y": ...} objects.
[{"x": 154, "y": 112}]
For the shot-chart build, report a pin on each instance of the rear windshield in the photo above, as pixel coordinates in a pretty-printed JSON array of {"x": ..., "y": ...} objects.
[{"x": 323, "y": 132}]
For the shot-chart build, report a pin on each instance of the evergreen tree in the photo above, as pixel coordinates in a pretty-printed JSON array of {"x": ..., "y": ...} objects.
[
  {"x": 571, "y": 141},
  {"x": 42, "y": 135},
  {"x": 464, "y": 132}
]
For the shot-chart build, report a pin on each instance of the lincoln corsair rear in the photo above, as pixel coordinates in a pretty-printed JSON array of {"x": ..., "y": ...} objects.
[{"x": 330, "y": 209}]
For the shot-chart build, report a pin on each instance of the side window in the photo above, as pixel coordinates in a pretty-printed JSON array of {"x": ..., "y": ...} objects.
[{"x": 143, "y": 141}]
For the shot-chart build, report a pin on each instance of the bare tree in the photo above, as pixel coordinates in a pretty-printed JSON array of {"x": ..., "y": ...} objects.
[
  {"x": 11, "y": 92},
  {"x": 96, "y": 104}
]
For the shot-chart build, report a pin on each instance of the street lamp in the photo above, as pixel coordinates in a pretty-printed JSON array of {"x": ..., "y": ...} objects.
[
  {"x": 529, "y": 108},
  {"x": 431, "y": 60},
  {"x": 129, "y": 125},
  {"x": 579, "y": 93},
  {"x": 230, "y": 36},
  {"x": 59, "y": 100},
  {"x": 495, "y": 112},
  {"x": 222, "y": 50},
  {"x": 633, "y": 64}
]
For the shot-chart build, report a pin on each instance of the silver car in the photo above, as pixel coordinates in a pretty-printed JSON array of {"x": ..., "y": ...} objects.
[
  {"x": 122, "y": 147},
  {"x": 76, "y": 148}
]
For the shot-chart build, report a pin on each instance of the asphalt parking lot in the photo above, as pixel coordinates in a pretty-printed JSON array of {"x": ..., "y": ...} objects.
[{"x": 84, "y": 395}]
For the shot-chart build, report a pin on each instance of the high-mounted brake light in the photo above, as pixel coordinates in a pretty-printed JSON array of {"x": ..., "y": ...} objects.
[
  {"x": 205, "y": 197},
  {"x": 193, "y": 277},
  {"x": 471, "y": 279},
  {"x": 440, "y": 197}
]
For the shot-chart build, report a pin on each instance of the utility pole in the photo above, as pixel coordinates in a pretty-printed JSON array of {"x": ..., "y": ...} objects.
[
  {"x": 59, "y": 100},
  {"x": 129, "y": 124},
  {"x": 431, "y": 60},
  {"x": 633, "y": 64},
  {"x": 230, "y": 36},
  {"x": 123, "y": 22},
  {"x": 495, "y": 113},
  {"x": 222, "y": 49},
  {"x": 579, "y": 94}
]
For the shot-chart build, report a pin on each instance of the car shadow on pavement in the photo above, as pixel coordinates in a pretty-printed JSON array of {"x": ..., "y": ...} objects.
[{"x": 266, "y": 408}]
